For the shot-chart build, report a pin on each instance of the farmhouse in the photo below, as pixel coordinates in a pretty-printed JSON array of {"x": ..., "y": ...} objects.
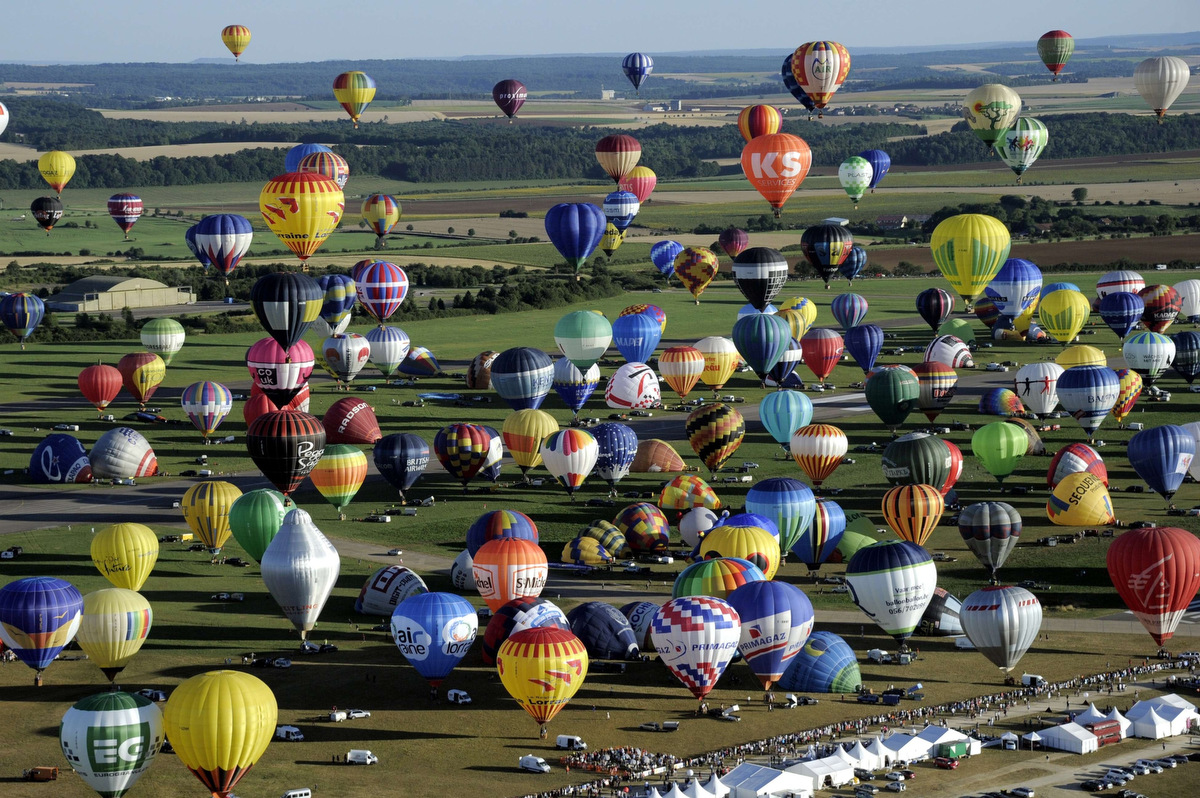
[{"x": 99, "y": 293}]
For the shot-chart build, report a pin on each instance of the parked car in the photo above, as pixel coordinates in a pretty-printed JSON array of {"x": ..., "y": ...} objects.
[
  {"x": 894, "y": 775},
  {"x": 281, "y": 662},
  {"x": 945, "y": 762},
  {"x": 895, "y": 786},
  {"x": 157, "y": 696},
  {"x": 357, "y": 713},
  {"x": 864, "y": 774},
  {"x": 641, "y": 413},
  {"x": 237, "y": 562}
]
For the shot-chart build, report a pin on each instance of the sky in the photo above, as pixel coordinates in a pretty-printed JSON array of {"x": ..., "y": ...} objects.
[{"x": 308, "y": 30}]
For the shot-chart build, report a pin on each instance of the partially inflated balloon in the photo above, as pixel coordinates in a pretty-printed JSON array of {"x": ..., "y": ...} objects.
[
  {"x": 1073, "y": 458},
  {"x": 122, "y": 453},
  {"x": 125, "y": 554},
  {"x": 1080, "y": 500}
]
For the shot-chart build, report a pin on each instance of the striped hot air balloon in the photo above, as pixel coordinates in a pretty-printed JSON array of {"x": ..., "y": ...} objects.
[{"x": 715, "y": 432}]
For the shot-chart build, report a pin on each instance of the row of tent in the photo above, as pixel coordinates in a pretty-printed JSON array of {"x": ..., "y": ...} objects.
[{"x": 1152, "y": 719}]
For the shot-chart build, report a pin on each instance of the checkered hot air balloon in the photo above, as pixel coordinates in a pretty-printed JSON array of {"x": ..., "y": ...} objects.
[
  {"x": 381, "y": 288},
  {"x": 696, "y": 637}
]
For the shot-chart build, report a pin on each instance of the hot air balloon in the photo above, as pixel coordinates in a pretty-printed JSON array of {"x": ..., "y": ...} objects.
[
  {"x": 776, "y": 164},
  {"x": 620, "y": 207},
  {"x": 687, "y": 491},
  {"x": 1189, "y": 297},
  {"x": 849, "y": 310},
  {"x": 892, "y": 582},
  {"x": 220, "y": 723},
  {"x": 1127, "y": 396},
  {"x": 720, "y": 361},
  {"x": 509, "y": 95},
  {"x": 587, "y": 552},
  {"x": 235, "y": 38},
  {"x": 206, "y": 509},
  {"x": 759, "y": 273},
  {"x": 999, "y": 447},
  {"x": 114, "y": 626},
  {"x": 892, "y": 393},
  {"x": 125, "y": 210},
  {"x": 826, "y": 246},
  {"x": 500, "y": 524},
  {"x": 523, "y": 433},
  {"x": 951, "y": 350},
  {"x": 935, "y": 306},
  {"x": 1055, "y": 48},
  {"x": 300, "y": 568},
  {"x": 1121, "y": 280},
  {"x": 604, "y": 631},
  {"x": 206, "y": 404},
  {"x": 880, "y": 163},
  {"x": 1000, "y": 402},
  {"x": 821, "y": 539},
  {"x": 381, "y": 288},
  {"x": 784, "y": 412},
  {"x": 125, "y": 554},
  {"x": 278, "y": 374},
  {"x": 516, "y": 616},
  {"x": 715, "y": 432},
  {"x": 616, "y": 447},
  {"x": 1160, "y": 80},
  {"x": 573, "y": 386},
  {"x": 937, "y": 384},
  {"x": 682, "y": 366},
  {"x": 1149, "y": 354},
  {"x": 917, "y": 458},
  {"x": 663, "y": 255},
  {"x": 818, "y": 449},
  {"x": 1161, "y": 456},
  {"x": 434, "y": 631},
  {"x": 522, "y": 377},
  {"x": 695, "y": 267},
  {"x": 970, "y": 249},
  {"x": 913, "y": 511},
  {"x": 462, "y": 450},
  {"x": 345, "y": 355},
  {"x": 1080, "y": 499},
  {"x": 189, "y": 238},
  {"x": 255, "y": 518},
  {"x": 339, "y": 474},
  {"x": 302, "y": 209},
  {"x": 637, "y": 67},
  {"x": 286, "y": 305},
  {"x": 1021, "y": 145},
  {"x": 569, "y": 455},
  {"x": 695, "y": 637},
  {"x": 1162, "y": 307},
  {"x": 789, "y": 82},
  {"x": 111, "y": 739},
  {"x": 1121, "y": 311},
  {"x": 854, "y": 263},
  {"x": 286, "y": 445},
  {"x": 389, "y": 348},
  {"x": 991, "y": 531},
  {"x": 57, "y": 168},
  {"x": 820, "y": 69},
  {"x": 990, "y": 110},
  {"x": 420, "y": 362},
  {"x": 386, "y": 588},
  {"x": 1186, "y": 362},
  {"x": 479, "y": 371},
  {"x": 401, "y": 459},
  {"x": 635, "y": 335},
  {"x": 575, "y": 229},
  {"x": 164, "y": 337},
  {"x": 618, "y": 154},
  {"x": 39, "y": 616},
  {"x": 753, "y": 544},
  {"x": 1015, "y": 287},
  {"x": 759, "y": 120},
  {"x": 640, "y": 182},
  {"x": 762, "y": 340},
  {"x": 141, "y": 374},
  {"x": 1072, "y": 459},
  {"x": 776, "y": 621},
  {"x": 822, "y": 349},
  {"x": 542, "y": 668},
  {"x": 1081, "y": 355},
  {"x": 1002, "y": 623},
  {"x": 788, "y": 502},
  {"x": 1088, "y": 393},
  {"x": 100, "y": 384},
  {"x": 354, "y": 92},
  {"x": 645, "y": 527},
  {"x": 381, "y": 212},
  {"x": 824, "y": 664},
  {"x": 855, "y": 175},
  {"x": 122, "y": 453},
  {"x": 508, "y": 568},
  {"x": 583, "y": 337},
  {"x": 1063, "y": 314},
  {"x": 223, "y": 240},
  {"x": 1156, "y": 571},
  {"x": 47, "y": 211},
  {"x": 329, "y": 164}
]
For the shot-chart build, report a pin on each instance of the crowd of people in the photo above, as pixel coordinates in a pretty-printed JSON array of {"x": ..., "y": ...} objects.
[{"x": 628, "y": 769}]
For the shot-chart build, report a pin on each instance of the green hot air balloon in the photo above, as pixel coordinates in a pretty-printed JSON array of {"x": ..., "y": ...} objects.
[
  {"x": 1021, "y": 144},
  {"x": 892, "y": 392},
  {"x": 583, "y": 336},
  {"x": 110, "y": 740},
  {"x": 855, "y": 175},
  {"x": 163, "y": 337},
  {"x": 917, "y": 458},
  {"x": 999, "y": 446},
  {"x": 255, "y": 517}
]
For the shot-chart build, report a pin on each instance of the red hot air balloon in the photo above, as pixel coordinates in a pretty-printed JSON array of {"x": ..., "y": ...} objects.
[
  {"x": 734, "y": 241},
  {"x": 125, "y": 210},
  {"x": 1156, "y": 571},
  {"x": 509, "y": 95},
  {"x": 100, "y": 384},
  {"x": 351, "y": 420},
  {"x": 286, "y": 445},
  {"x": 821, "y": 349},
  {"x": 1163, "y": 304},
  {"x": 759, "y": 120},
  {"x": 618, "y": 154}
]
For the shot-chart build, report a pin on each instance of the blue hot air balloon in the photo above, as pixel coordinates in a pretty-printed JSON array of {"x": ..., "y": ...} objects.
[
  {"x": 434, "y": 631},
  {"x": 60, "y": 458},
  {"x": 189, "y": 238},
  {"x": 777, "y": 619},
  {"x": 1187, "y": 355},
  {"x": 849, "y": 310},
  {"x": 864, "y": 343},
  {"x": 340, "y": 297},
  {"x": 224, "y": 239},
  {"x": 291, "y": 161},
  {"x": 880, "y": 162},
  {"x": 761, "y": 340},
  {"x": 617, "y": 446},
  {"x": 854, "y": 263},
  {"x": 21, "y": 314},
  {"x": 786, "y": 501},
  {"x": 522, "y": 376},
  {"x": 784, "y": 412},
  {"x": 789, "y": 82},
  {"x": 401, "y": 459},
  {"x": 1052, "y": 287},
  {"x": 1015, "y": 287},
  {"x": 783, "y": 373},
  {"x": 500, "y": 524},
  {"x": 573, "y": 386},
  {"x": 605, "y": 632},
  {"x": 1088, "y": 393},
  {"x": 1161, "y": 457},
  {"x": 824, "y": 534},
  {"x": 637, "y": 67},
  {"x": 663, "y": 254},
  {"x": 824, "y": 664},
  {"x": 636, "y": 336},
  {"x": 1121, "y": 311},
  {"x": 620, "y": 208},
  {"x": 575, "y": 230},
  {"x": 39, "y": 616}
]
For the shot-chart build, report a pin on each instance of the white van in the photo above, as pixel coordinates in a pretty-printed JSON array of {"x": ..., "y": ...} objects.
[
  {"x": 570, "y": 742},
  {"x": 458, "y": 696},
  {"x": 303, "y": 792},
  {"x": 360, "y": 756},
  {"x": 533, "y": 764},
  {"x": 289, "y": 733}
]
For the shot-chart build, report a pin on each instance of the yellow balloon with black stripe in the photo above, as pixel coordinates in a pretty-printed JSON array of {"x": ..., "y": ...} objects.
[{"x": 206, "y": 510}]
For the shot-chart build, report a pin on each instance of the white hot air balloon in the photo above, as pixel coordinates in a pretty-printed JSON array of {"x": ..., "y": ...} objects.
[
  {"x": 122, "y": 453},
  {"x": 386, "y": 588},
  {"x": 951, "y": 350},
  {"x": 1147, "y": 353},
  {"x": 570, "y": 455},
  {"x": 634, "y": 385},
  {"x": 1160, "y": 80},
  {"x": 300, "y": 568},
  {"x": 1189, "y": 295},
  {"x": 389, "y": 347},
  {"x": 892, "y": 582},
  {"x": 1036, "y": 385},
  {"x": 1121, "y": 280},
  {"x": 461, "y": 574},
  {"x": 696, "y": 522},
  {"x": 110, "y": 739},
  {"x": 1002, "y": 622},
  {"x": 345, "y": 355}
]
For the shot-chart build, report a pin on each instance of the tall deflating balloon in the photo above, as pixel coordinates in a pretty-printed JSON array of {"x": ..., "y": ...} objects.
[
  {"x": 542, "y": 668},
  {"x": 286, "y": 445},
  {"x": 970, "y": 249},
  {"x": 300, "y": 568},
  {"x": 892, "y": 582},
  {"x": 759, "y": 273},
  {"x": 509, "y": 95},
  {"x": 286, "y": 305},
  {"x": 1160, "y": 80},
  {"x": 1156, "y": 571},
  {"x": 220, "y": 723},
  {"x": 39, "y": 616},
  {"x": 637, "y": 67},
  {"x": 235, "y": 38},
  {"x": 776, "y": 164},
  {"x": 776, "y": 619},
  {"x": 618, "y": 154},
  {"x": 696, "y": 637},
  {"x": 575, "y": 229},
  {"x": 302, "y": 209},
  {"x": 820, "y": 68},
  {"x": 1002, "y": 623},
  {"x": 434, "y": 631},
  {"x": 354, "y": 92}
]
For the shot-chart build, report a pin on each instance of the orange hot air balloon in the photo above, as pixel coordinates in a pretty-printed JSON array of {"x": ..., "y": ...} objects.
[
  {"x": 618, "y": 154},
  {"x": 303, "y": 209},
  {"x": 507, "y": 569},
  {"x": 141, "y": 374},
  {"x": 100, "y": 384},
  {"x": 776, "y": 164},
  {"x": 913, "y": 511},
  {"x": 542, "y": 668},
  {"x": 759, "y": 120},
  {"x": 681, "y": 367}
]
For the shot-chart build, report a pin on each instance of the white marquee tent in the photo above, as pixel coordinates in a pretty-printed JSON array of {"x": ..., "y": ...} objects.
[
  {"x": 906, "y": 748},
  {"x": 1150, "y": 725},
  {"x": 1115, "y": 714},
  {"x": 832, "y": 771},
  {"x": 863, "y": 757},
  {"x": 748, "y": 780},
  {"x": 715, "y": 787},
  {"x": 1069, "y": 737}
]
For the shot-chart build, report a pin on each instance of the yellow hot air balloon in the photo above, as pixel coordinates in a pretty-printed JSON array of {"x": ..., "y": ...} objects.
[
  {"x": 219, "y": 724},
  {"x": 751, "y": 543},
  {"x": 236, "y": 37},
  {"x": 696, "y": 267},
  {"x": 1063, "y": 314},
  {"x": 302, "y": 208},
  {"x": 805, "y": 306},
  {"x": 990, "y": 110},
  {"x": 339, "y": 474},
  {"x": 1081, "y": 355},
  {"x": 523, "y": 433},
  {"x": 125, "y": 554},
  {"x": 354, "y": 91},
  {"x": 913, "y": 511},
  {"x": 206, "y": 510},
  {"x": 542, "y": 668},
  {"x": 797, "y": 321},
  {"x": 114, "y": 626},
  {"x": 970, "y": 249},
  {"x": 720, "y": 361},
  {"x": 1080, "y": 499},
  {"x": 57, "y": 168}
]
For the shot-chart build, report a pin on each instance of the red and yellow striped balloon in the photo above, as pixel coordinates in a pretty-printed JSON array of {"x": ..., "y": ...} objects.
[
  {"x": 759, "y": 120},
  {"x": 236, "y": 37},
  {"x": 681, "y": 367},
  {"x": 542, "y": 668},
  {"x": 339, "y": 474},
  {"x": 913, "y": 511},
  {"x": 818, "y": 449},
  {"x": 303, "y": 209}
]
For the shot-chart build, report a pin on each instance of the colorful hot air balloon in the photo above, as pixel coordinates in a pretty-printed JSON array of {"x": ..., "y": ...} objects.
[
  {"x": 822, "y": 349},
  {"x": 759, "y": 120},
  {"x": 523, "y": 433},
  {"x": 381, "y": 287},
  {"x": 990, "y": 110},
  {"x": 715, "y": 432},
  {"x": 849, "y": 310},
  {"x": 223, "y": 240},
  {"x": 206, "y": 404},
  {"x": 1016, "y": 287},
  {"x": 1002, "y": 623},
  {"x": 937, "y": 384},
  {"x": 687, "y": 491},
  {"x": 573, "y": 386},
  {"x": 695, "y": 637},
  {"x": 855, "y": 175},
  {"x": 695, "y": 267},
  {"x": 892, "y": 582},
  {"x": 991, "y": 531},
  {"x": 616, "y": 446},
  {"x": 285, "y": 445},
  {"x": 57, "y": 168},
  {"x": 1072, "y": 459},
  {"x": 999, "y": 447},
  {"x": 583, "y": 337},
  {"x": 462, "y": 450},
  {"x": 47, "y": 211},
  {"x": 125, "y": 210},
  {"x": 125, "y": 554},
  {"x": 39, "y": 616},
  {"x": 354, "y": 92},
  {"x": 100, "y": 384},
  {"x": 822, "y": 538},
  {"x": 1080, "y": 499},
  {"x": 508, "y": 568},
  {"x": 340, "y": 296},
  {"x": 570, "y": 455},
  {"x": 111, "y": 739},
  {"x": 1161, "y": 456},
  {"x": 1021, "y": 145},
  {"x": 826, "y": 246},
  {"x": 381, "y": 212},
  {"x": 235, "y": 38},
  {"x": 788, "y": 502},
  {"x": 776, "y": 164},
  {"x": 1162, "y": 306},
  {"x": 819, "y": 449},
  {"x": 339, "y": 474},
  {"x": 390, "y": 348},
  {"x": 164, "y": 337},
  {"x": 255, "y": 518},
  {"x": 720, "y": 361},
  {"x": 1055, "y": 48},
  {"x": 789, "y": 82},
  {"x": 935, "y": 306},
  {"x": 1063, "y": 314},
  {"x": 516, "y": 616},
  {"x": 542, "y": 668},
  {"x": 114, "y": 626},
  {"x": 329, "y": 164},
  {"x": 206, "y": 508},
  {"x": 1149, "y": 354},
  {"x": 753, "y": 544},
  {"x": 220, "y": 723},
  {"x": 913, "y": 511},
  {"x": 618, "y": 154},
  {"x": 637, "y": 67},
  {"x": 122, "y": 453},
  {"x": 645, "y": 527},
  {"x": 820, "y": 68},
  {"x": 970, "y": 249},
  {"x": 141, "y": 374},
  {"x": 776, "y": 621},
  {"x": 1088, "y": 393},
  {"x": 640, "y": 181},
  {"x": 681, "y": 368},
  {"x": 278, "y": 374},
  {"x": 620, "y": 207},
  {"x": 1131, "y": 389},
  {"x": 1156, "y": 571},
  {"x": 434, "y": 631},
  {"x": 1160, "y": 80},
  {"x": 302, "y": 209},
  {"x": 522, "y": 376},
  {"x": 635, "y": 335}
]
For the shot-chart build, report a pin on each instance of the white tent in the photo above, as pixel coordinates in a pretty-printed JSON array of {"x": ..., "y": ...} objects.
[
  {"x": 1175, "y": 701},
  {"x": 938, "y": 735},
  {"x": 654, "y": 793},
  {"x": 906, "y": 748},
  {"x": 1089, "y": 716},
  {"x": 1031, "y": 738},
  {"x": 883, "y": 757},
  {"x": 674, "y": 792},
  {"x": 748, "y": 780},
  {"x": 844, "y": 755},
  {"x": 1115, "y": 714},
  {"x": 864, "y": 757},
  {"x": 1149, "y": 725},
  {"x": 715, "y": 787},
  {"x": 832, "y": 771},
  {"x": 1069, "y": 737}
]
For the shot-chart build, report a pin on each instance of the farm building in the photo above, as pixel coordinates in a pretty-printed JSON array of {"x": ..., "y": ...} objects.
[{"x": 101, "y": 293}]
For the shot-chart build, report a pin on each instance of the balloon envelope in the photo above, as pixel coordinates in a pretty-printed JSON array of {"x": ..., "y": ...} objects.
[
  {"x": 1156, "y": 571},
  {"x": 776, "y": 621},
  {"x": 111, "y": 739},
  {"x": 125, "y": 554},
  {"x": 695, "y": 637},
  {"x": 892, "y": 582},
  {"x": 1002, "y": 623},
  {"x": 39, "y": 616},
  {"x": 300, "y": 568},
  {"x": 434, "y": 631},
  {"x": 824, "y": 664}
]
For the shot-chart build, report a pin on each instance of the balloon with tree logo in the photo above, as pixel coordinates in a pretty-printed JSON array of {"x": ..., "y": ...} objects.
[
  {"x": 990, "y": 110},
  {"x": 1156, "y": 571},
  {"x": 991, "y": 531}
]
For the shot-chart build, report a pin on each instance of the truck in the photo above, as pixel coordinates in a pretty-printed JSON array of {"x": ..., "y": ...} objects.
[
  {"x": 289, "y": 733},
  {"x": 361, "y": 756},
  {"x": 952, "y": 750},
  {"x": 41, "y": 773},
  {"x": 570, "y": 742},
  {"x": 1032, "y": 680},
  {"x": 879, "y": 655}
]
